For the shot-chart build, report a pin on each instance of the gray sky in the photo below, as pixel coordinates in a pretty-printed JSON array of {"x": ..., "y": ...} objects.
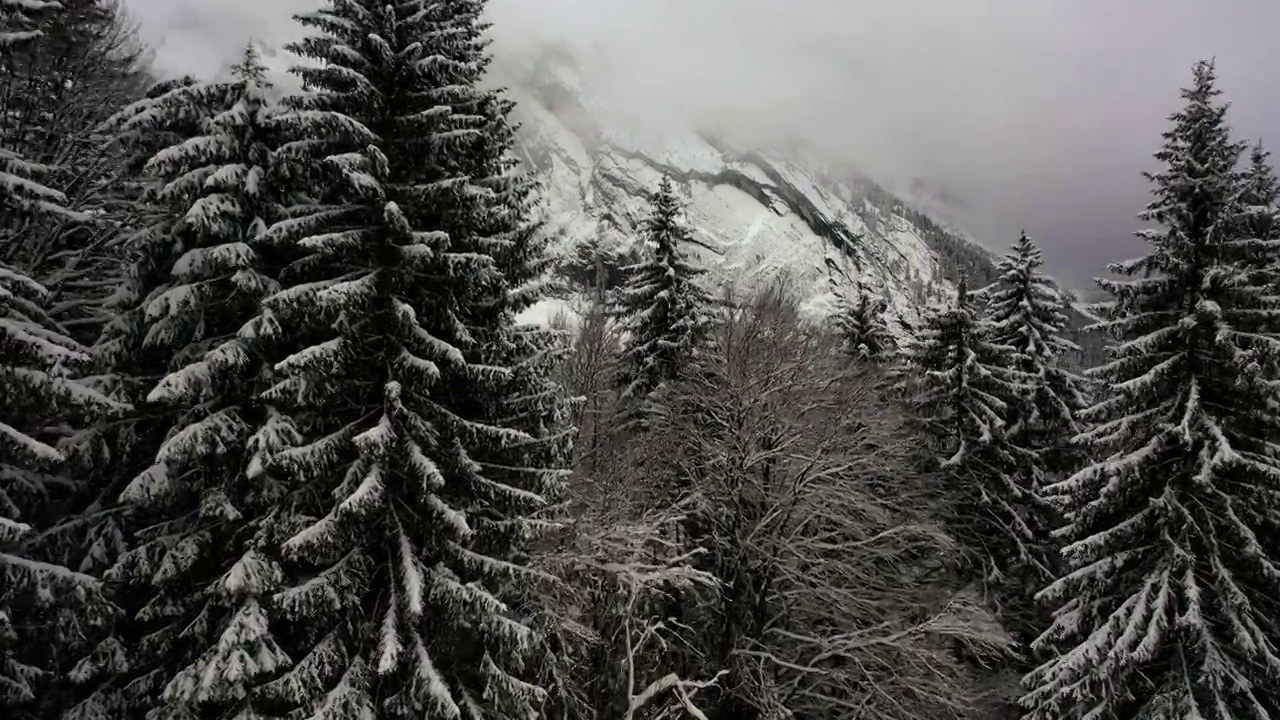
[{"x": 1035, "y": 113}]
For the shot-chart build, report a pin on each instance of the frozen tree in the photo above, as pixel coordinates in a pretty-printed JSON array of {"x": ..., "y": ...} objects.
[
  {"x": 586, "y": 373},
  {"x": 53, "y": 95},
  {"x": 964, "y": 385},
  {"x": 798, "y": 484},
  {"x": 197, "y": 578},
  {"x": 860, "y": 319},
  {"x": 37, "y": 362},
  {"x": 622, "y": 565},
  {"x": 128, "y": 362},
  {"x": 427, "y": 429},
  {"x": 1027, "y": 313},
  {"x": 663, "y": 312},
  {"x": 1168, "y": 607},
  {"x": 1260, "y": 220},
  {"x": 1260, "y": 198}
]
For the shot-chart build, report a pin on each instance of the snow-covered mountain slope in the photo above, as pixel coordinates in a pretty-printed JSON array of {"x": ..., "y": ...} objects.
[{"x": 756, "y": 214}]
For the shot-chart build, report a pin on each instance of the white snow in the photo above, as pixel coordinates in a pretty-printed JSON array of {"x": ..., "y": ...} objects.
[
  {"x": 548, "y": 309},
  {"x": 598, "y": 166}
]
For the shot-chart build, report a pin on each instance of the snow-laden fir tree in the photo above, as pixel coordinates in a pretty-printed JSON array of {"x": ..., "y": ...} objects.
[
  {"x": 53, "y": 93},
  {"x": 860, "y": 319},
  {"x": 128, "y": 362},
  {"x": 1260, "y": 220},
  {"x": 197, "y": 579},
  {"x": 1168, "y": 609},
  {"x": 428, "y": 431},
  {"x": 963, "y": 384},
  {"x": 38, "y": 364},
  {"x": 20, "y": 22},
  {"x": 1260, "y": 198},
  {"x": 40, "y": 395},
  {"x": 104, "y": 457},
  {"x": 663, "y": 312},
  {"x": 1027, "y": 312},
  {"x": 173, "y": 112}
]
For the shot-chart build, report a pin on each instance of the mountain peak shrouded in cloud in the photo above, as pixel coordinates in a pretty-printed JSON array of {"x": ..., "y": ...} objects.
[{"x": 1039, "y": 114}]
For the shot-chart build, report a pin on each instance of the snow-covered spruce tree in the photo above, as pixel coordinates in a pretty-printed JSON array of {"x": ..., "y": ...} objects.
[
  {"x": 95, "y": 528},
  {"x": 1169, "y": 606},
  {"x": 198, "y": 576},
  {"x": 39, "y": 397},
  {"x": 1027, "y": 313},
  {"x": 964, "y": 385},
  {"x": 1260, "y": 198},
  {"x": 663, "y": 313},
  {"x": 428, "y": 429},
  {"x": 86, "y": 66},
  {"x": 1260, "y": 220},
  {"x": 20, "y": 22},
  {"x": 37, "y": 364},
  {"x": 860, "y": 319},
  {"x": 128, "y": 361}
]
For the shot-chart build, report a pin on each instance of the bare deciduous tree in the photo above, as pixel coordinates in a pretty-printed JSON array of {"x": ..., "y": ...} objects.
[
  {"x": 618, "y": 558},
  {"x": 587, "y": 373},
  {"x": 763, "y": 547},
  {"x": 617, "y": 646},
  {"x": 835, "y": 596}
]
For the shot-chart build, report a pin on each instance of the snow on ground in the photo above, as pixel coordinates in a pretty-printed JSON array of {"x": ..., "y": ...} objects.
[
  {"x": 752, "y": 171},
  {"x": 756, "y": 245},
  {"x": 803, "y": 183},
  {"x": 667, "y": 144}
]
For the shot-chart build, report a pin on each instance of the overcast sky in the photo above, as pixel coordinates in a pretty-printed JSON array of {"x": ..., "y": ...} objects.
[{"x": 1033, "y": 113}]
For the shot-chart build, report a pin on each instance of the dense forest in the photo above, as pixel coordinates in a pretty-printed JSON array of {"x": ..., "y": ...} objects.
[{"x": 274, "y": 444}]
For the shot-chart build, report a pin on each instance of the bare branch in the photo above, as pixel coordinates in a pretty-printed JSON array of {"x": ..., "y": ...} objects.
[{"x": 802, "y": 486}]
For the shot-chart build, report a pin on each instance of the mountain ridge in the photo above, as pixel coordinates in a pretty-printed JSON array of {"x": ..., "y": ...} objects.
[{"x": 758, "y": 213}]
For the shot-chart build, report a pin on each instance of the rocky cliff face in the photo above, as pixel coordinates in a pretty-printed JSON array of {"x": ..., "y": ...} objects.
[{"x": 756, "y": 214}]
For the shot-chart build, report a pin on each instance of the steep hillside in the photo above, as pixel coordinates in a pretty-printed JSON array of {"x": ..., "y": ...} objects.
[{"x": 756, "y": 214}]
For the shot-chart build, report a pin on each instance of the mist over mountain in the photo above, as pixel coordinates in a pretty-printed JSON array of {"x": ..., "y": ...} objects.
[
  {"x": 1037, "y": 115},
  {"x": 761, "y": 207},
  {"x": 758, "y": 211}
]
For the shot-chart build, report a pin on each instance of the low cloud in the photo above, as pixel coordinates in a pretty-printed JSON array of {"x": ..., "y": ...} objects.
[{"x": 1035, "y": 113}]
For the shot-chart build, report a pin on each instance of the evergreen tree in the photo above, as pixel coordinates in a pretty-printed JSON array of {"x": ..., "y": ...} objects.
[
  {"x": 1169, "y": 606},
  {"x": 53, "y": 95},
  {"x": 20, "y": 22},
  {"x": 663, "y": 312},
  {"x": 1028, "y": 314},
  {"x": 1259, "y": 198},
  {"x": 963, "y": 388},
  {"x": 860, "y": 320},
  {"x": 427, "y": 429},
  {"x": 196, "y": 580},
  {"x": 129, "y": 359},
  {"x": 1260, "y": 221},
  {"x": 37, "y": 361},
  {"x": 39, "y": 395},
  {"x": 1260, "y": 218}
]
